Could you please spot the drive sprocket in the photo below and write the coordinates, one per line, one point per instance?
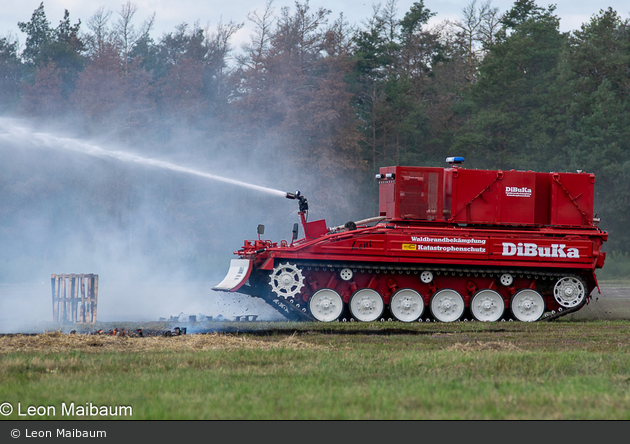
(286, 280)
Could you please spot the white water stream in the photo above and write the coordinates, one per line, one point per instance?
(13, 130)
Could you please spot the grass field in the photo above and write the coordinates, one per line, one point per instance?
(571, 369)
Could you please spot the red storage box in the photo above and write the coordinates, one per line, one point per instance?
(411, 193)
(487, 197)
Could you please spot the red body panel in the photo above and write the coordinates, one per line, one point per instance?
(571, 199)
(389, 243)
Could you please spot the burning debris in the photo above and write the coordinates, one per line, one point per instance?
(118, 332)
(137, 333)
(175, 332)
(192, 319)
(191, 325)
(248, 318)
(187, 318)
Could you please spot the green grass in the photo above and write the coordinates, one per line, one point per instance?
(560, 370)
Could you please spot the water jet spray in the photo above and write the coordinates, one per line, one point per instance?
(52, 141)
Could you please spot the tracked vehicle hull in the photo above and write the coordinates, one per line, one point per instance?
(449, 245)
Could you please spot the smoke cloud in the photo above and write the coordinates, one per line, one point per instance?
(159, 233)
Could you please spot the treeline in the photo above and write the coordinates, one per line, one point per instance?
(504, 89)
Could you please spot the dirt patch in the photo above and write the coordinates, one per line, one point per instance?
(60, 342)
(483, 346)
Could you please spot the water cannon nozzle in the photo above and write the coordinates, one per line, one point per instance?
(300, 197)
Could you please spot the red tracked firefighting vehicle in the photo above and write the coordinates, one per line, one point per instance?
(448, 244)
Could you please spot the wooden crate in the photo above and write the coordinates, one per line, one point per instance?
(74, 298)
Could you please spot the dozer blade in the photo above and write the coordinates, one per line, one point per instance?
(237, 275)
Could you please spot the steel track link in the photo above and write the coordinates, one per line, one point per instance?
(470, 271)
(282, 306)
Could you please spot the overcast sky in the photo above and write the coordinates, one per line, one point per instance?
(170, 13)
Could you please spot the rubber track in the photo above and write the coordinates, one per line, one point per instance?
(409, 269)
(285, 308)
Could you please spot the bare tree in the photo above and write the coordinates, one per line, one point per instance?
(490, 25)
(299, 36)
(218, 47)
(256, 50)
(389, 20)
(101, 33)
(126, 33)
(218, 41)
(338, 37)
(472, 29)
